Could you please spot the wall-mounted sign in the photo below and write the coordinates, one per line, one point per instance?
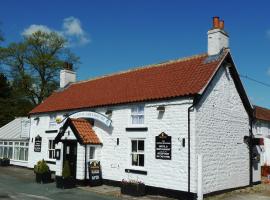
(95, 176)
(92, 115)
(163, 146)
(57, 154)
(37, 146)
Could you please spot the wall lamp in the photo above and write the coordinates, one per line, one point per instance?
(161, 108)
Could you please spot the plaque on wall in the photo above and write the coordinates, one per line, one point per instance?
(95, 176)
(163, 146)
(37, 146)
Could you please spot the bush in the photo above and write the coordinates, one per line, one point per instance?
(66, 170)
(41, 167)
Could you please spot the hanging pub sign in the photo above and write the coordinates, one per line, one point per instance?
(163, 146)
(95, 176)
(37, 146)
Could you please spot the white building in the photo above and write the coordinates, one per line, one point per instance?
(261, 129)
(14, 141)
(152, 123)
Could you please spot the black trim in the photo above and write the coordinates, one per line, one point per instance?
(224, 191)
(50, 162)
(132, 129)
(150, 190)
(257, 183)
(133, 171)
(51, 131)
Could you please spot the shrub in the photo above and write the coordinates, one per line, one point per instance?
(66, 170)
(41, 167)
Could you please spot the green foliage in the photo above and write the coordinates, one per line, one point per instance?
(12, 104)
(35, 63)
(66, 170)
(41, 167)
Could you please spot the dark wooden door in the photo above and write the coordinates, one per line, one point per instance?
(70, 152)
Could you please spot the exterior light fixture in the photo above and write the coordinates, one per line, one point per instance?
(161, 108)
(108, 112)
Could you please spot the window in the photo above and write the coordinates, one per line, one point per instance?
(51, 150)
(137, 115)
(137, 153)
(14, 150)
(21, 151)
(92, 153)
(52, 122)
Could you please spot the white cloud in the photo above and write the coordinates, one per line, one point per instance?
(71, 29)
(34, 28)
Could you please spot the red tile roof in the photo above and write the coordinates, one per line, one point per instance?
(262, 113)
(177, 78)
(85, 131)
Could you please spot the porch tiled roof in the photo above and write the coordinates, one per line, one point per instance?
(85, 132)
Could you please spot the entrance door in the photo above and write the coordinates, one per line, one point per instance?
(70, 155)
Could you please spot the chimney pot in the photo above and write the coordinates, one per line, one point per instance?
(216, 22)
(221, 24)
(68, 66)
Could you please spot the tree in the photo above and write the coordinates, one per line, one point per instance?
(35, 63)
(11, 104)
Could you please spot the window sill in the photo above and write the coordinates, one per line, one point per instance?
(136, 128)
(136, 171)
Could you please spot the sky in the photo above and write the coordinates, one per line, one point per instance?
(115, 35)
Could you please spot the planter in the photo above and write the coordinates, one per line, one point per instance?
(65, 183)
(4, 162)
(133, 189)
(44, 178)
(265, 170)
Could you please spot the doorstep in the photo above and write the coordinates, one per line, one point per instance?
(116, 192)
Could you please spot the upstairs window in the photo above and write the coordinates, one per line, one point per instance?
(137, 115)
(52, 122)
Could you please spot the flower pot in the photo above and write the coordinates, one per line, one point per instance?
(44, 177)
(59, 181)
(4, 162)
(65, 183)
(38, 178)
(133, 189)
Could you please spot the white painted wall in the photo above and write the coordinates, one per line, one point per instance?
(221, 124)
(115, 159)
(217, 40)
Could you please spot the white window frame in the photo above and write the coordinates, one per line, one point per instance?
(136, 113)
(137, 153)
(51, 149)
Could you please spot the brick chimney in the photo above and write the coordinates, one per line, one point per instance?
(217, 37)
(67, 75)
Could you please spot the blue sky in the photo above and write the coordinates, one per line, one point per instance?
(111, 36)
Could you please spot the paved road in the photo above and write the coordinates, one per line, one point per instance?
(19, 184)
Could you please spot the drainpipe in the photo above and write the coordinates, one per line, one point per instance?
(85, 164)
(189, 108)
(195, 101)
(251, 151)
